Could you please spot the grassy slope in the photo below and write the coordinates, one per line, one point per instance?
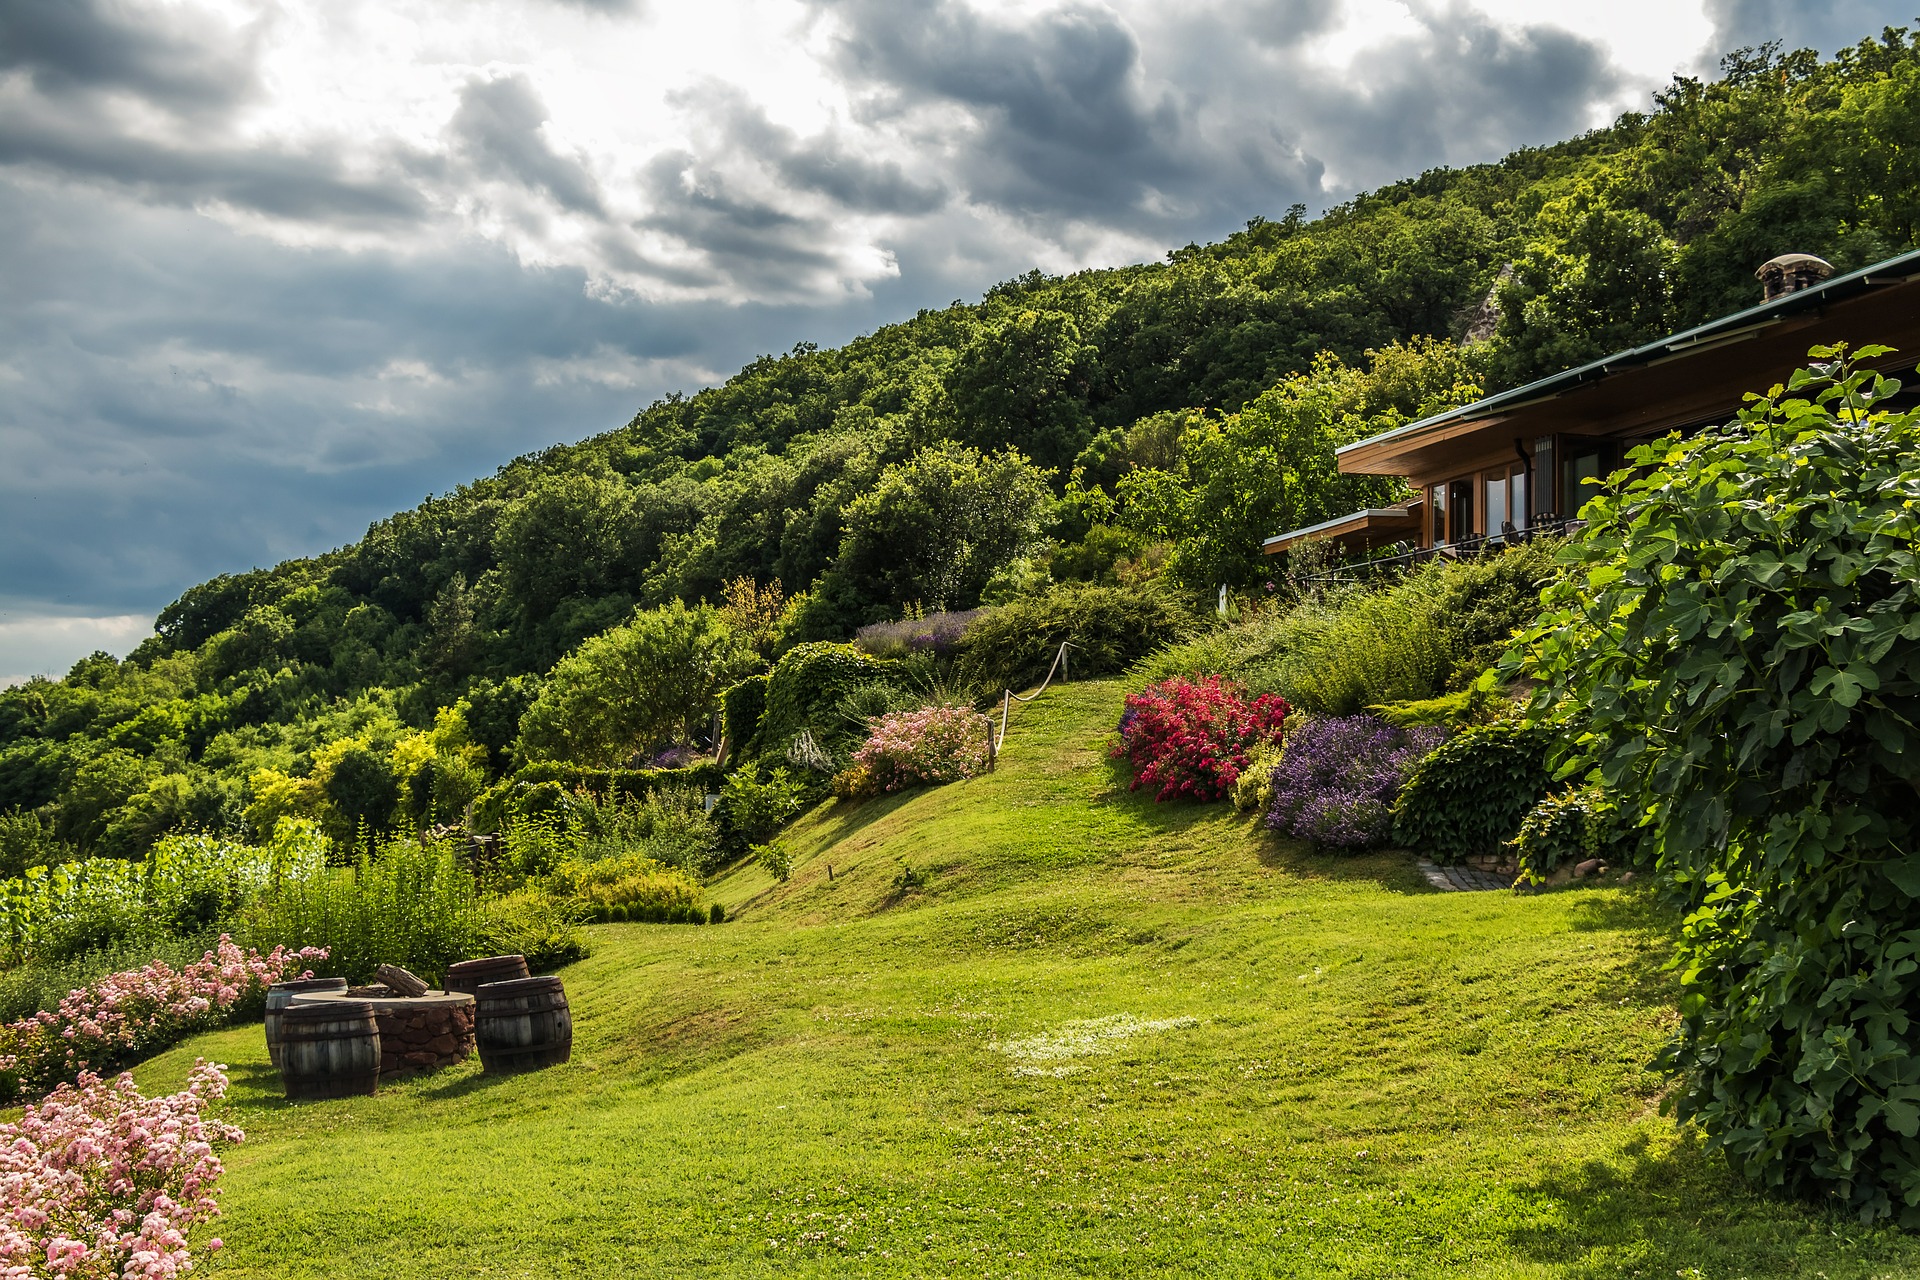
(1303, 1067)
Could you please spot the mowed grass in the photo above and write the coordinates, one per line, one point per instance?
(1105, 1037)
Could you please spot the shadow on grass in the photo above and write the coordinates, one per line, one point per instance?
(1669, 1212)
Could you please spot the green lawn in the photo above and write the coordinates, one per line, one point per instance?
(1104, 1038)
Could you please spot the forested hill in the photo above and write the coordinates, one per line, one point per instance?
(1157, 418)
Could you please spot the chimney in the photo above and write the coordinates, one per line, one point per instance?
(1790, 273)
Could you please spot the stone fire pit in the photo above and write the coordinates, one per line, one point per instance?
(417, 1033)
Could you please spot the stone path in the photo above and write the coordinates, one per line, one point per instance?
(1465, 879)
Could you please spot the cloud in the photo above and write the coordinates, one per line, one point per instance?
(47, 644)
(498, 128)
(1825, 25)
(185, 60)
(277, 268)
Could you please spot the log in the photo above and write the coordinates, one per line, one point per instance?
(402, 982)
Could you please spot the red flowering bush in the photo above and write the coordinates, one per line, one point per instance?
(1192, 740)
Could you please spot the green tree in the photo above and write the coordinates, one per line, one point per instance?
(1593, 281)
(1735, 651)
(363, 790)
(1024, 384)
(934, 528)
(639, 685)
(1271, 467)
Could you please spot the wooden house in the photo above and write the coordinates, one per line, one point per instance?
(1516, 460)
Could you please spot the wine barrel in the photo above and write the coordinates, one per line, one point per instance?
(329, 1048)
(282, 994)
(469, 975)
(522, 1025)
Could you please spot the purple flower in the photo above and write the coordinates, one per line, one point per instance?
(1338, 778)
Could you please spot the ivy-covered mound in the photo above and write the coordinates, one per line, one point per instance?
(1742, 628)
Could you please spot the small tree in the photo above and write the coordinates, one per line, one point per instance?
(1739, 630)
(627, 689)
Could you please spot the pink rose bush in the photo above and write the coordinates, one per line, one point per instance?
(139, 1010)
(933, 744)
(98, 1181)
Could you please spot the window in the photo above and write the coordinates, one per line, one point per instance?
(1460, 510)
(1495, 483)
(1541, 501)
(1437, 502)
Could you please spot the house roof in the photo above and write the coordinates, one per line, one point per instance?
(1396, 520)
(1897, 270)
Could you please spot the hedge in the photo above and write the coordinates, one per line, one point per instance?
(741, 708)
(806, 686)
(1470, 795)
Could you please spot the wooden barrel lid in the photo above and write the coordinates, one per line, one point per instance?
(326, 1011)
(483, 963)
(513, 987)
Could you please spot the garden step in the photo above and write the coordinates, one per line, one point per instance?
(1462, 879)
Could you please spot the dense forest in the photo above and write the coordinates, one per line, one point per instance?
(1144, 424)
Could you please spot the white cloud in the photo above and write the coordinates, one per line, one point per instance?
(48, 645)
(276, 268)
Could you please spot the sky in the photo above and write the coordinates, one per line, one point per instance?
(273, 269)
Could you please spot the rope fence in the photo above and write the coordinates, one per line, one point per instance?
(1008, 697)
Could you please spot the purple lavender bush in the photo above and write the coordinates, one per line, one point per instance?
(937, 633)
(1337, 780)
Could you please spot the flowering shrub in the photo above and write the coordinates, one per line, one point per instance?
(937, 633)
(933, 744)
(1335, 785)
(98, 1181)
(1194, 740)
(136, 1011)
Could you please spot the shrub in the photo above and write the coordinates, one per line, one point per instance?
(1111, 628)
(1338, 778)
(126, 1015)
(1253, 789)
(1192, 740)
(741, 708)
(716, 914)
(1366, 647)
(1738, 625)
(535, 924)
(414, 903)
(1563, 829)
(1484, 601)
(1469, 795)
(806, 686)
(931, 745)
(185, 884)
(775, 858)
(632, 887)
(97, 1180)
(939, 634)
(752, 811)
(855, 782)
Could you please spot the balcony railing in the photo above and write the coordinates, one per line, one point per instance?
(1390, 561)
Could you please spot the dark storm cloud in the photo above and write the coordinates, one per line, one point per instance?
(178, 400)
(1826, 25)
(179, 61)
(310, 184)
(88, 68)
(1228, 115)
(497, 126)
(1068, 123)
(826, 164)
